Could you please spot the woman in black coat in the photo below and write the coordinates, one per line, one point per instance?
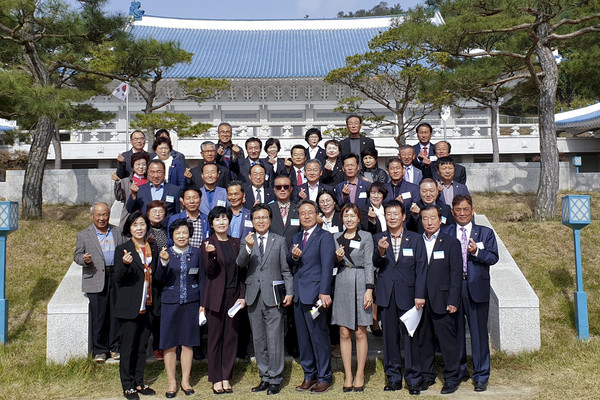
(137, 303)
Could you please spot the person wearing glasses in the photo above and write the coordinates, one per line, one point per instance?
(227, 152)
(138, 141)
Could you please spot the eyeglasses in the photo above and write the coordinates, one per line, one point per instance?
(282, 187)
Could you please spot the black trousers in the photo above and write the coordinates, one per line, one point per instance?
(104, 325)
(134, 341)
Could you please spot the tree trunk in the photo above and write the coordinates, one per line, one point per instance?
(546, 200)
(400, 137)
(34, 173)
(57, 148)
(494, 131)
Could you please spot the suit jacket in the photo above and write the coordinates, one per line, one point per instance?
(250, 191)
(361, 199)
(444, 274)
(203, 222)
(313, 271)
(417, 148)
(170, 196)
(221, 160)
(292, 222)
(414, 223)
(196, 179)
(262, 272)
(365, 142)
(296, 198)
(459, 188)
(335, 176)
(124, 169)
(321, 155)
(460, 173)
(417, 175)
(242, 168)
(129, 279)
(247, 226)
(409, 191)
(93, 274)
(406, 277)
(367, 225)
(176, 156)
(278, 167)
(175, 174)
(214, 262)
(170, 277)
(478, 266)
(219, 198)
(336, 223)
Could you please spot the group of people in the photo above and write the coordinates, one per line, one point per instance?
(306, 251)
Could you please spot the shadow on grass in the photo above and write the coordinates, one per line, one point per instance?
(42, 291)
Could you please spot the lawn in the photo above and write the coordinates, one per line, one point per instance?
(40, 252)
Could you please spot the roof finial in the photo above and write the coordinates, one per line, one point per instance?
(135, 10)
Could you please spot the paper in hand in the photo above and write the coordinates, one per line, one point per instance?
(411, 319)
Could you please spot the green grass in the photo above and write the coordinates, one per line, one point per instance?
(40, 252)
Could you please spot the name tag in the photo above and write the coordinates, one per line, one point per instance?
(294, 222)
(480, 245)
(407, 252)
(438, 255)
(406, 195)
(362, 195)
(355, 244)
(266, 177)
(193, 271)
(443, 220)
(169, 199)
(335, 271)
(221, 203)
(334, 229)
(248, 224)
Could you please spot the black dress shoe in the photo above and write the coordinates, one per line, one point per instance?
(414, 390)
(359, 388)
(274, 388)
(346, 389)
(171, 395)
(424, 385)
(465, 378)
(480, 386)
(392, 386)
(188, 392)
(261, 387)
(447, 389)
(131, 394)
(146, 391)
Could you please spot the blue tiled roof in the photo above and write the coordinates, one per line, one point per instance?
(278, 53)
(579, 119)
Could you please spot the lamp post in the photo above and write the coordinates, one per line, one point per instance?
(9, 221)
(576, 214)
(577, 163)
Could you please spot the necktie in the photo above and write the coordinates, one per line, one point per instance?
(299, 180)
(305, 238)
(407, 175)
(283, 211)
(463, 244)
(258, 196)
(260, 246)
(425, 151)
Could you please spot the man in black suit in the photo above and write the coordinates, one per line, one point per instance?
(447, 185)
(258, 191)
(242, 166)
(138, 141)
(442, 149)
(299, 156)
(227, 151)
(398, 188)
(442, 301)
(356, 143)
(313, 187)
(428, 190)
(194, 176)
(425, 150)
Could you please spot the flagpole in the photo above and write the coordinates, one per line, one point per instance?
(127, 118)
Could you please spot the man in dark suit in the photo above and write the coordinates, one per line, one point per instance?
(442, 301)
(412, 174)
(264, 254)
(212, 195)
(425, 150)
(154, 189)
(299, 156)
(138, 141)
(194, 176)
(428, 190)
(442, 149)
(401, 261)
(356, 143)
(353, 189)
(313, 187)
(311, 258)
(449, 187)
(480, 251)
(241, 223)
(258, 191)
(242, 166)
(398, 188)
(94, 251)
(227, 151)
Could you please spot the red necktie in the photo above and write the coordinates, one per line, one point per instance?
(299, 180)
(425, 151)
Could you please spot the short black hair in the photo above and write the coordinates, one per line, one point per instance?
(380, 186)
(350, 155)
(273, 141)
(353, 116)
(253, 139)
(297, 147)
(131, 218)
(187, 188)
(462, 197)
(392, 160)
(157, 161)
(313, 131)
(432, 207)
(425, 124)
(211, 163)
(160, 132)
(137, 131)
(217, 211)
(142, 155)
(445, 161)
(395, 203)
(236, 183)
(369, 151)
(333, 196)
(306, 201)
(259, 207)
(181, 222)
(257, 165)
(162, 140)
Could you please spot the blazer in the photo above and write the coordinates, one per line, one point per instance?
(444, 274)
(367, 225)
(203, 222)
(175, 174)
(321, 154)
(365, 142)
(176, 156)
(478, 266)
(459, 188)
(296, 198)
(379, 174)
(93, 274)
(214, 262)
(124, 169)
(361, 199)
(242, 168)
(405, 277)
(417, 149)
(262, 272)
(313, 271)
(250, 191)
(247, 226)
(196, 179)
(278, 167)
(417, 175)
(335, 176)
(129, 279)
(170, 196)
(292, 222)
(170, 277)
(219, 198)
(122, 193)
(414, 223)
(409, 191)
(363, 257)
(460, 173)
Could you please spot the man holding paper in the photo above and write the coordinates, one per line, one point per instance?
(401, 260)
(269, 276)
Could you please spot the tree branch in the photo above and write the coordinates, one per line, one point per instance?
(573, 21)
(572, 35)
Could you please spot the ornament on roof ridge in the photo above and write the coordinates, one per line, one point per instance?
(135, 10)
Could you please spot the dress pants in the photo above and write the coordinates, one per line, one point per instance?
(134, 341)
(104, 324)
(267, 335)
(222, 339)
(477, 316)
(392, 361)
(444, 327)
(314, 343)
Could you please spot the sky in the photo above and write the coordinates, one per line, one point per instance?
(248, 9)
